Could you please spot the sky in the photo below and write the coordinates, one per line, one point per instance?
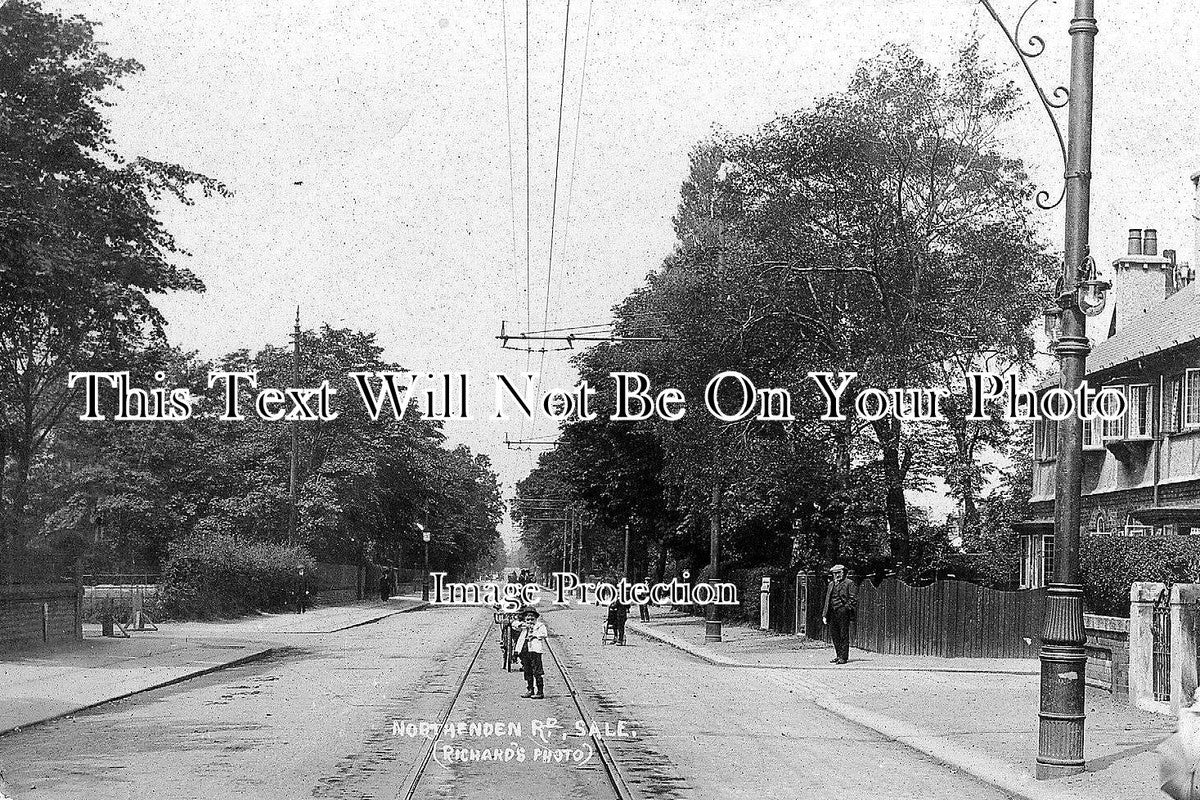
(377, 150)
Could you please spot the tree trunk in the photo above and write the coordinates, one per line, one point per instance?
(894, 469)
(18, 538)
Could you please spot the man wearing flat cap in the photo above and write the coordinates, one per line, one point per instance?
(841, 600)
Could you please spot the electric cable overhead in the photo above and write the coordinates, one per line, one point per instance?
(562, 93)
(512, 188)
(587, 40)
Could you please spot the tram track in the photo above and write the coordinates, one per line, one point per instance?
(613, 777)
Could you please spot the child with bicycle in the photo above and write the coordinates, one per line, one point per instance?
(531, 643)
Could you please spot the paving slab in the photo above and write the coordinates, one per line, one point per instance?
(979, 715)
(39, 685)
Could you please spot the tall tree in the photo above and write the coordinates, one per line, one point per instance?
(81, 247)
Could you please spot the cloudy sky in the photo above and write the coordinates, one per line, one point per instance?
(377, 148)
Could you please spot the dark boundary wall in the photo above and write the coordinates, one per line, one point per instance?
(35, 615)
(347, 583)
(1108, 653)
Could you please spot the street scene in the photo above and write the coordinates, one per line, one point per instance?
(522, 398)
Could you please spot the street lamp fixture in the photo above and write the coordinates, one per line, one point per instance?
(1061, 711)
(425, 537)
(1091, 293)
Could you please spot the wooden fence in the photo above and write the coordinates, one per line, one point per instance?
(953, 619)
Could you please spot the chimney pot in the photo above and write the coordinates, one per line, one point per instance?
(1135, 241)
(1150, 242)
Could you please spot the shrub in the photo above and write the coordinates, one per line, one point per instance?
(1108, 564)
(216, 575)
(749, 583)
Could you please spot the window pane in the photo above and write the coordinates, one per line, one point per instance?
(1113, 428)
(1047, 559)
(1174, 421)
(1192, 409)
(1139, 411)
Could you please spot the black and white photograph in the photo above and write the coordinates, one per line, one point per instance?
(659, 400)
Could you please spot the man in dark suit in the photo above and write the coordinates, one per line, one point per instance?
(841, 599)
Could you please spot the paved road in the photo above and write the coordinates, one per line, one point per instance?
(318, 720)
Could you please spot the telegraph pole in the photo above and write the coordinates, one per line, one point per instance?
(625, 568)
(712, 625)
(1063, 659)
(292, 488)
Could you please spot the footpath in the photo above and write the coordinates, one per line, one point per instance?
(976, 715)
(38, 685)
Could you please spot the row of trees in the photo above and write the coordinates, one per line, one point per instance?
(82, 253)
(883, 231)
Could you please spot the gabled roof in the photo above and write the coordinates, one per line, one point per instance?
(1171, 323)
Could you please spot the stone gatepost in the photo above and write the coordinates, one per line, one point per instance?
(1184, 600)
(1142, 597)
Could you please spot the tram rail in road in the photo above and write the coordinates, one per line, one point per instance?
(612, 771)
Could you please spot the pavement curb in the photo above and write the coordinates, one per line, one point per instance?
(373, 620)
(237, 662)
(992, 771)
(679, 644)
(996, 773)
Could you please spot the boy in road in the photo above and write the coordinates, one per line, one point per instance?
(530, 646)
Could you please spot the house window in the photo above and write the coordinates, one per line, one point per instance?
(1047, 559)
(1174, 418)
(1140, 412)
(1138, 530)
(1191, 399)
(1045, 440)
(1026, 561)
(1115, 428)
(1092, 434)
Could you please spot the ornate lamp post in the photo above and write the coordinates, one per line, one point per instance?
(1063, 660)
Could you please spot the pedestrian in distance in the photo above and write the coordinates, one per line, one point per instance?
(841, 601)
(644, 608)
(531, 643)
(618, 612)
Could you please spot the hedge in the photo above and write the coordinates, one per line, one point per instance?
(217, 575)
(1108, 564)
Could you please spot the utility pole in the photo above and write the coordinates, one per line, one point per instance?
(426, 535)
(565, 562)
(712, 625)
(292, 488)
(1063, 659)
(625, 569)
(570, 540)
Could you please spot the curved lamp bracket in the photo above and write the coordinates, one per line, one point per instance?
(1058, 98)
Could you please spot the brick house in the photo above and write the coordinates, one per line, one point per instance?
(1141, 473)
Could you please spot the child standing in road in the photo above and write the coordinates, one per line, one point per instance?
(530, 646)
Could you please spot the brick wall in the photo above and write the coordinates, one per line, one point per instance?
(1108, 653)
(38, 614)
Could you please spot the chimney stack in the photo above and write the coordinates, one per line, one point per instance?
(1150, 242)
(1196, 218)
(1142, 279)
(1135, 241)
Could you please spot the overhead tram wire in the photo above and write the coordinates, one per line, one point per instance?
(528, 215)
(562, 93)
(512, 188)
(587, 40)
